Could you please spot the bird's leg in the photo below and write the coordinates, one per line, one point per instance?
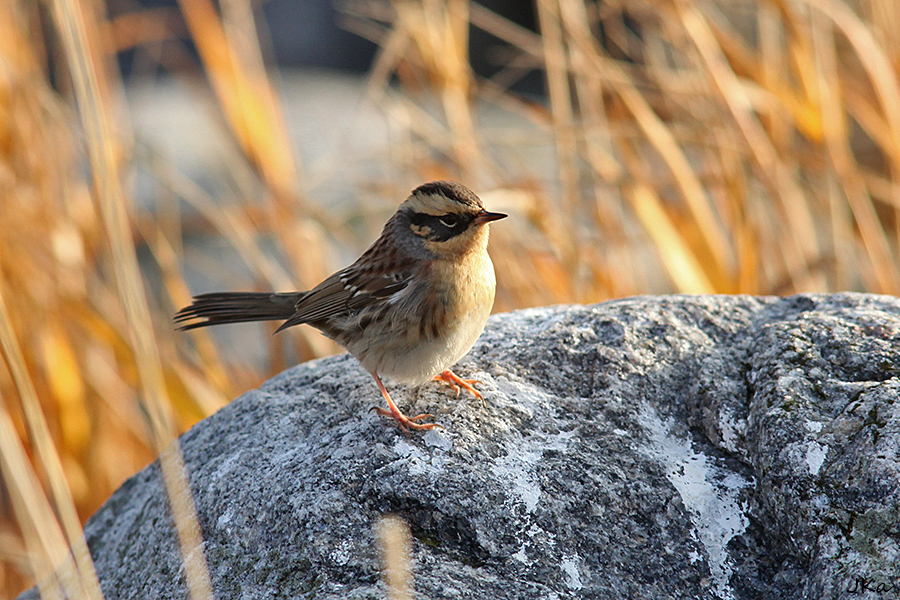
(456, 382)
(398, 416)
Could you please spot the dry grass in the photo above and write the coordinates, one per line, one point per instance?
(394, 541)
(711, 147)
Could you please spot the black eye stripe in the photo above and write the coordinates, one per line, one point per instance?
(441, 227)
(419, 219)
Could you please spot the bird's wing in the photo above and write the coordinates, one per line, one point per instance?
(362, 284)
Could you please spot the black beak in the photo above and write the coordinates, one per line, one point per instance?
(486, 217)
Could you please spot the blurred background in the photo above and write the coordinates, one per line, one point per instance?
(154, 149)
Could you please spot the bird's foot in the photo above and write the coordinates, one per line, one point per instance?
(402, 420)
(407, 422)
(456, 382)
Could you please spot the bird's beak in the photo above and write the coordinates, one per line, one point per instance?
(486, 217)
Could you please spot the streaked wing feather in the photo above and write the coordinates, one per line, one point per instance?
(347, 291)
(369, 288)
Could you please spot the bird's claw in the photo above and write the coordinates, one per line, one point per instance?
(456, 382)
(403, 421)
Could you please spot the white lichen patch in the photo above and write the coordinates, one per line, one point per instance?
(815, 457)
(342, 554)
(527, 398)
(224, 521)
(517, 467)
(522, 556)
(518, 470)
(814, 426)
(731, 429)
(438, 440)
(709, 493)
(571, 566)
(418, 462)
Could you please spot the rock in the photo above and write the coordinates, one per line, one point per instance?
(667, 447)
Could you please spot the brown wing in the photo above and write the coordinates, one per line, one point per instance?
(364, 283)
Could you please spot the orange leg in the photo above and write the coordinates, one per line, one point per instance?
(457, 382)
(398, 416)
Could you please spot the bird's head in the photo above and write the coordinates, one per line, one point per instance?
(447, 217)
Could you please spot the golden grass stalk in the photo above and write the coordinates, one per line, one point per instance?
(243, 90)
(394, 540)
(47, 544)
(777, 174)
(557, 69)
(83, 57)
(844, 163)
(47, 547)
(685, 270)
(878, 67)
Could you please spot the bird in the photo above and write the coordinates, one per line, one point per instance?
(409, 308)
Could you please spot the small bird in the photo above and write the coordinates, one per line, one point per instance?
(410, 307)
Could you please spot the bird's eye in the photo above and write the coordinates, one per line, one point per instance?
(450, 220)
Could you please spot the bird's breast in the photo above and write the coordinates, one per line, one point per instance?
(443, 323)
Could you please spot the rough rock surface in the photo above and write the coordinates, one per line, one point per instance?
(667, 447)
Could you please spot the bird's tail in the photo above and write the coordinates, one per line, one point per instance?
(236, 307)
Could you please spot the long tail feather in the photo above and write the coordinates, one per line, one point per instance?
(218, 308)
